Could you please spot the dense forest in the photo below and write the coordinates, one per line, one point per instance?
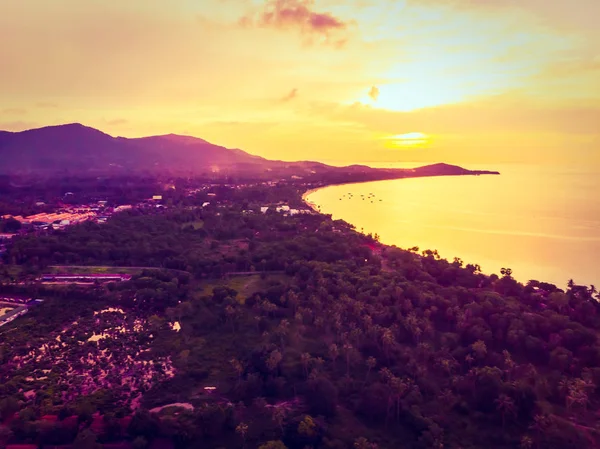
(273, 331)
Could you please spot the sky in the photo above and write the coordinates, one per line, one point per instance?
(340, 81)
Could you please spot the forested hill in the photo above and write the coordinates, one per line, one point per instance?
(77, 149)
(333, 341)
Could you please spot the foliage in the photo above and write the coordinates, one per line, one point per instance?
(333, 341)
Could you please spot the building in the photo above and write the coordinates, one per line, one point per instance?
(85, 277)
(14, 299)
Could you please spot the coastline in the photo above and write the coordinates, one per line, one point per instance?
(524, 267)
(310, 204)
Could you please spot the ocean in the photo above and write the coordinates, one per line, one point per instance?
(542, 222)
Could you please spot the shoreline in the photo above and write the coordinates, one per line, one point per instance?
(487, 270)
(310, 204)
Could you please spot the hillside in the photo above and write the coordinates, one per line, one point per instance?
(77, 149)
(272, 331)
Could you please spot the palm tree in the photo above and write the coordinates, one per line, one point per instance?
(571, 283)
(563, 387)
(348, 350)
(333, 352)
(273, 360)
(371, 363)
(479, 348)
(505, 405)
(387, 338)
(305, 359)
(238, 368)
(540, 423)
(363, 443)
(242, 429)
(526, 442)
(447, 399)
(469, 359)
(279, 417)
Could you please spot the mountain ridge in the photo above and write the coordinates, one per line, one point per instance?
(80, 149)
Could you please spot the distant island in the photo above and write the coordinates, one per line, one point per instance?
(78, 150)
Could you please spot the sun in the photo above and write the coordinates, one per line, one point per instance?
(412, 139)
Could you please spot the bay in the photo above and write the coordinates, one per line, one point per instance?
(543, 222)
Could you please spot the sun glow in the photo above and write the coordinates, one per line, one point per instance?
(412, 139)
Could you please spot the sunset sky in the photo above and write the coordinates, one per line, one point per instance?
(341, 81)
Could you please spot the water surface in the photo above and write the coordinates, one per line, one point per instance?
(542, 222)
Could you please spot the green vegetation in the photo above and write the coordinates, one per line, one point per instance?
(327, 340)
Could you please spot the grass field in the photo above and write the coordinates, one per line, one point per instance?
(195, 224)
(244, 285)
(92, 270)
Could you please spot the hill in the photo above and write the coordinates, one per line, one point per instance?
(273, 331)
(78, 149)
(75, 147)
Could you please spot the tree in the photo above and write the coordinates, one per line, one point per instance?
(5, 435)
(140, 443)
(10, 225)
(238, 368)
(363, 443)
(274, 360)
(539, 426)
(322, 397)
(333, 352)
(526, 442)
(348, 351)
(278, 417)
(305, 359)
(480, 349)
(505, 405)
(307, 427)
(371, 363)
(87, 439)
(273, 444)
(387, 339)
(242, 430)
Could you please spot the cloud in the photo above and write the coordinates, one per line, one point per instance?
(291, 95)
(298, 14)
(374, 93)
(14, 111)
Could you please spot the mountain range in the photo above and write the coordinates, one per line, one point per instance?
(78, 149)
